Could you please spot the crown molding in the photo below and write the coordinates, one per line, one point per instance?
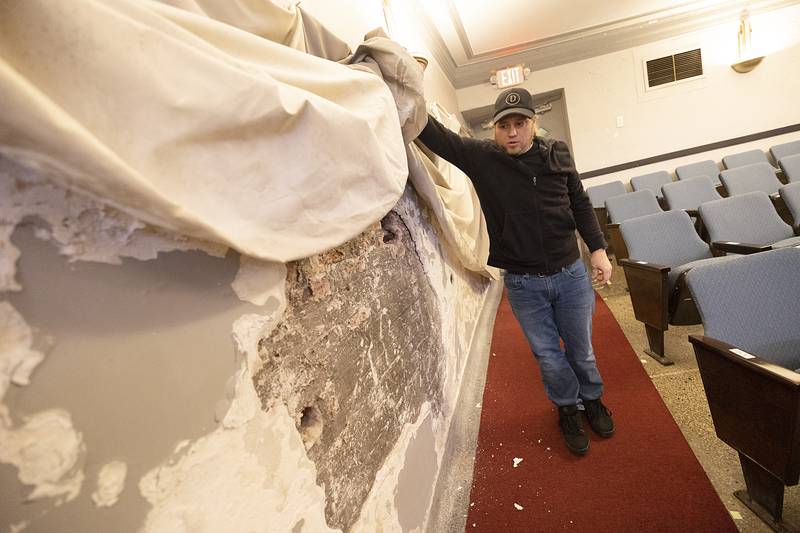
(582, 44)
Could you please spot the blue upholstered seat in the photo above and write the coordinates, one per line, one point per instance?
(689, 193)
(652, 182)
(753, 303)
(599, 193)
(749, 178)
(779, 151)
(706, 168)
(747, 218)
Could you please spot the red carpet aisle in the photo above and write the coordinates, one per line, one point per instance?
(644, 478)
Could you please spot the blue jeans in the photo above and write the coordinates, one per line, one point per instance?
(550, 308)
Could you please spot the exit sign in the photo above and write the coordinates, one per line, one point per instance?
(510, 76)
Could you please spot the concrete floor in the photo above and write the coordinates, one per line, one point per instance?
(681, 388)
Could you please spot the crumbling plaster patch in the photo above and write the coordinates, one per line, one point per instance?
(373, 329)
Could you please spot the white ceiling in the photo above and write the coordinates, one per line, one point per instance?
(471, 38)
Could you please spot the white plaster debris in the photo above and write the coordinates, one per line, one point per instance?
(736, 515)
(254, 457)
(45, 450)
(17, 358)
(255, 477)
(257, 280)
(517, 461)
(110, 483)
(518, 507)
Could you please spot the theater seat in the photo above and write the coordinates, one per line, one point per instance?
(706, 168)
(790, 165)
(663, 247)
(779, 151)
(598, 195)
(756, 177)
(621, 208)
(745, 223)
(653, 182)
(747, 357)
(748, 157)
(791, 197)
(688, 194)
(748, 178)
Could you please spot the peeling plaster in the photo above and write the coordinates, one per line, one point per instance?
(110, 483)
(84, 229)
(255, 477)
(17, 357)
(46, 450)
(257, 280)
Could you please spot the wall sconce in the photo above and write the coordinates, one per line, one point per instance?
(746, 60)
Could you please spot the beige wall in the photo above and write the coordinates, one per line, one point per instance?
(720, 106)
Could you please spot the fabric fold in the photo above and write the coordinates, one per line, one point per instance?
(198, 126)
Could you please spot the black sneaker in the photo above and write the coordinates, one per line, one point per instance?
(599, 417)
(570, 422)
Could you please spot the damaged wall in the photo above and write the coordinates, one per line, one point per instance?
(192, 391)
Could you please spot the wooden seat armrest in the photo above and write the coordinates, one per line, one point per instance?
(748, 360)
(744, 248)
(692, 212)
(644, 265)
(755, 406)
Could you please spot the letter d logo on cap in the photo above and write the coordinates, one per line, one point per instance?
(512, 98)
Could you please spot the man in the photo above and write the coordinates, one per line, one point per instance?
(533, 201)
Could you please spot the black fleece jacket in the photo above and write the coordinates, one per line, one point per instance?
(532, 202)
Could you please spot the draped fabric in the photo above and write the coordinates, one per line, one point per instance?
(245, 123)
(449, 193)
(195, 125)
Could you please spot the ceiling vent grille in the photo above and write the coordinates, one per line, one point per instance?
(672, 69)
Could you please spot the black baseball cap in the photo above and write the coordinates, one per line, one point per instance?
(511, 101)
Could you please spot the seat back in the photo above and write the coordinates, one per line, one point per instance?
(652, 181)
(741, 159)
(667, 238)
(599, 193)
(706, 168)
(631, 205)
(790, 165)
(747, 218)
(753, 303)
(779, 151)
(749, 178)
(791, 197)
(689, 193)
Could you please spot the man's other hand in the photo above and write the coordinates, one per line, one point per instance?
(601, 266)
